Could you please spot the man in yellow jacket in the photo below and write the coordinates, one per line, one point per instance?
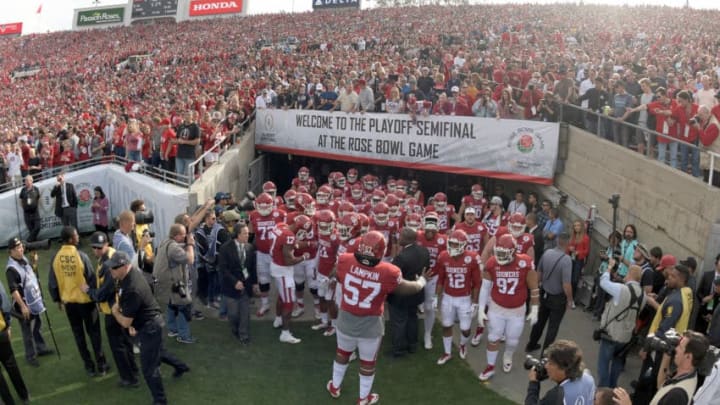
(72, 269)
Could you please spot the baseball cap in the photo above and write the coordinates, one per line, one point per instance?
(496, 200)
(13, 243)
(690, 262)
(221, 196)
(319, 86)
(118, 259)
(98, 239)
(230, 215)
(470, 210)
(643, 251)
(455, 89)
(666, 261)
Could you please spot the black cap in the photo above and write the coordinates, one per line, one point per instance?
(690, 262)
(13, 243)
(118, 259)
(98, 239)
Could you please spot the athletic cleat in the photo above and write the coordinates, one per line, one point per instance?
(444, 359)
(477, 337)
(507, 365)
(298, 311)
(428, 341)
(318, 326)
(487, 373)
(369, 400)
(277, 322)
(262, 311)
(287, 337)
(334, 392)
(330, 331)
(463, 351)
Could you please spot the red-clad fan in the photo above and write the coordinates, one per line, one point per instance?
(435, 243)
(263, 221)
(366, 281)
(364, 223)
(357, 197)
(324, 199)
(382, 223)
(445, 212)
(507, 277)
(516, 227)
(304, 179)
(475, 231)
(305, 271)
(270, 188)
(349, 231)
(285, 243)
(289, 201)
(459, 284)
(475, 199)
(328, 244)
(495, 217)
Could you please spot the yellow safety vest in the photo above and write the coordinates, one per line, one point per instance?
(104, 306)
(684, 321)
(68, 268)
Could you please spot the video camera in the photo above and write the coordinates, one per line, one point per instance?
(538, 365)
(665, 344)
(37, 245)
(144, 217)
(247, 203)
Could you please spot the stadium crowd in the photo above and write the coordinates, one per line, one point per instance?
(516, 61)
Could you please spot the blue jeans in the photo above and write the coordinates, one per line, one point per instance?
(134, 155)
(609, 366)
(182, 166)
(694, 155)
(663, 147)
(119, 151)
(178, 320)
(213, 285)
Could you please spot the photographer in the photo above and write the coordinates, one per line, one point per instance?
(143, 219)
(618, 322)
(174, 257)
(123, 237)
(548, 108)
(564, 366)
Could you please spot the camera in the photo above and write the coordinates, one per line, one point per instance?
(179, 288)
(694, 120)
(144, 217)
(614, 200)
(538, 365)
(149, 233)
(247, 203)
(600, 334)
(666, 343)
(37, 245)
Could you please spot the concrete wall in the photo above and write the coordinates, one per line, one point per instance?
(670, 209)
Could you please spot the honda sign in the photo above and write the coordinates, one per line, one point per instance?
(214, 7)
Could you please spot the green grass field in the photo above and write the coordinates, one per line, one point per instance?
(265, 372)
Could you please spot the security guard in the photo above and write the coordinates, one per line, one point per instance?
(71, 269)
(137, 310)
(103, 292)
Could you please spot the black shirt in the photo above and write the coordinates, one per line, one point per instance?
(29, 199)
(187, 132)
(136, 299)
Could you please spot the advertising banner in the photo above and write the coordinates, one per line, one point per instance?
(505, 149)
(154, 8)
(325, 4)
(11, 29)
(214, 7)
(115, 15)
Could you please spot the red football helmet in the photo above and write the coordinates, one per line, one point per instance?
(477, 191)
(401, 195)
(391, 185)
(323, 194)
(505, 249)
(264, 204)
(339, 180)
(304, 174)
(337, 194)
(289, 198)
(440, 201)
(352, 175)
(401, 185)
(431, 222)
(331, 178)
(516, 224)
(346, 207)
(364, 223)
(371, 248)
(270, 188)
(325, 222)
(377, 196)
(356, 191)
(369, 182)
(381, 213)
(413, 220)
(456, 242)
(349, 226)
(302, 189)
(393, 204)
(303, 227)
(305, 203)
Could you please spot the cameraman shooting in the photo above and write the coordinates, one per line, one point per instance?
(564, 366)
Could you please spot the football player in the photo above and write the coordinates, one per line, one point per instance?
(328, 244)
(459, 284)
(289, 197)
(324, 199)
(304, 272)
(382, 223)
(507, 278)
(435, 243)
(516, 228)
(475, 230)
(263, 221)
(446, 212)
(475, 199)
(304, 179)
(357, 197)
(366, 281)
(270, 188)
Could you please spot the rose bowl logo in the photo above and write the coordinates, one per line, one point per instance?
(525, 143)
(525, 140)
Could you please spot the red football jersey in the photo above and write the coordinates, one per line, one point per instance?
(510, 281)
(524, 242)
(263, 226)
(283, 237)
(476, 234)
(459, 275)
(359, 205)
(389, 231)
(444, 217)
(434, 246)
(327, 253)
(365, 288)
(348, 246)
(479, 205)
(493, 222)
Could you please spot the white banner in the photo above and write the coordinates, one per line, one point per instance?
(505, 149)
(121, 188)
